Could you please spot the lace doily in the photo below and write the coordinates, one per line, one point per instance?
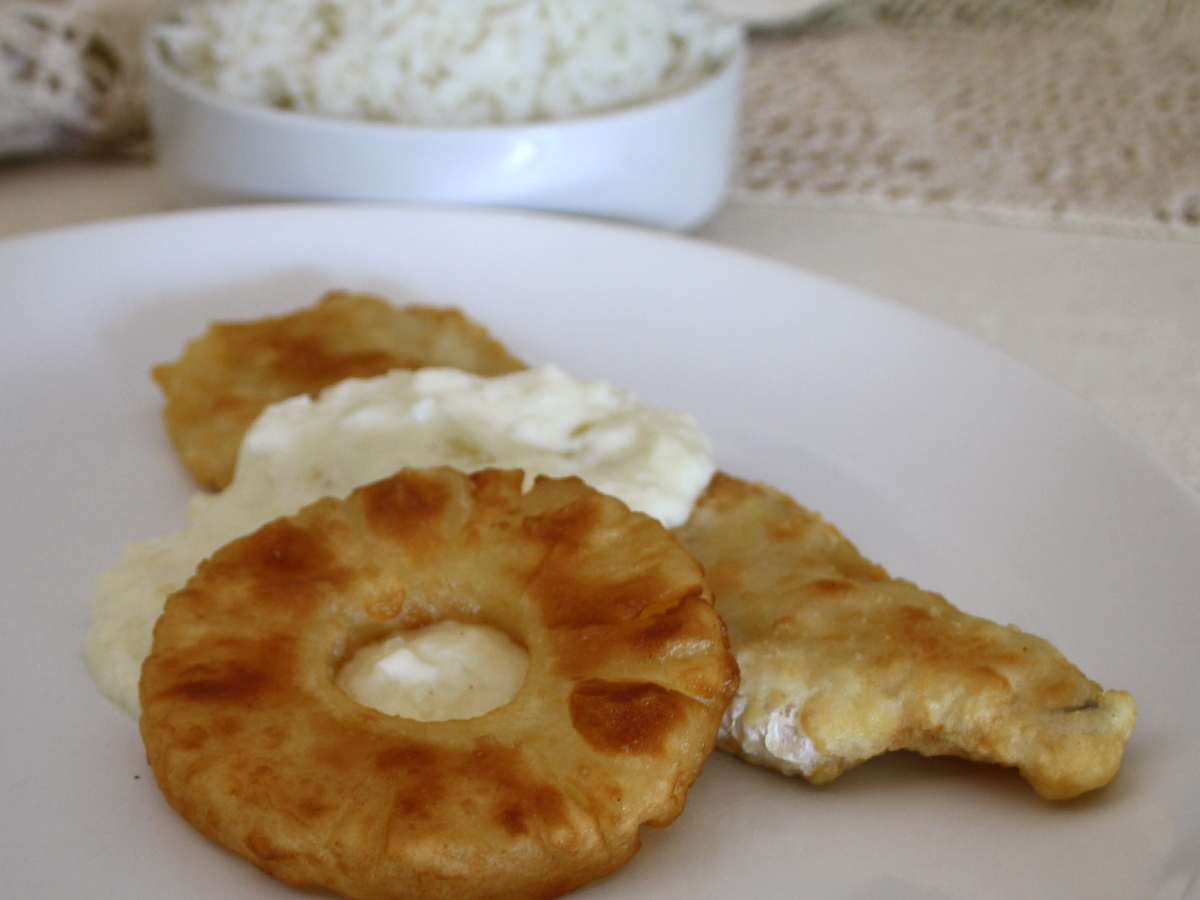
(69, 75)
(1032, 111)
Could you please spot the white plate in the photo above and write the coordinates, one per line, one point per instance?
(944, 460)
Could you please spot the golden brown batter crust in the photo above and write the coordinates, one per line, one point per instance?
(839, 662)
(252, 742)
(225, 378)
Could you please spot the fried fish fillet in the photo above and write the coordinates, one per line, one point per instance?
(225, 378)
(840, 662)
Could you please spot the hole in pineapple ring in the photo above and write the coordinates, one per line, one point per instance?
(447, 670)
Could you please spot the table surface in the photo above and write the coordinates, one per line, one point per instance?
(1116, 320)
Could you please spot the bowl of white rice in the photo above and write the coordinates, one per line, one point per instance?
(624, 109)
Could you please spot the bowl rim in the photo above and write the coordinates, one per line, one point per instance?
(157, 67)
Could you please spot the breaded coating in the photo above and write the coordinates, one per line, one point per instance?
(225, 378)
(840, 662)
(251, 740)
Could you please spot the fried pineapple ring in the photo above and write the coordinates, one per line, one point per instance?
(840, 663)
(629, 673)
(225, 378)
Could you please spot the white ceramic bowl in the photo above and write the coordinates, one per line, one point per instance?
(665, 163)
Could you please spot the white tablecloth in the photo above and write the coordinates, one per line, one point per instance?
(1115, 320)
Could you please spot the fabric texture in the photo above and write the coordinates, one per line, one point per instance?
(70, 78)
(1049, 112)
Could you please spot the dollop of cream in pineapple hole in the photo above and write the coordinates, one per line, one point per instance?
(447, 670)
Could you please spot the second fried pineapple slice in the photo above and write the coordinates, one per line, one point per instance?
(225, 378)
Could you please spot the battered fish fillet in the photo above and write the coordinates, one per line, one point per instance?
(228, 376)
(840, 662)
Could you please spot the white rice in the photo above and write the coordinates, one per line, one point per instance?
(446, 62)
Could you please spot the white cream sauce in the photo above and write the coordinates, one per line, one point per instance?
(448, 670)
(541, 420)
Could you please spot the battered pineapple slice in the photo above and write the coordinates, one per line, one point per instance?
(230, 374)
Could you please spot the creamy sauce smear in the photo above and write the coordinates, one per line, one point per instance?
(542, 421)
(448, 670)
